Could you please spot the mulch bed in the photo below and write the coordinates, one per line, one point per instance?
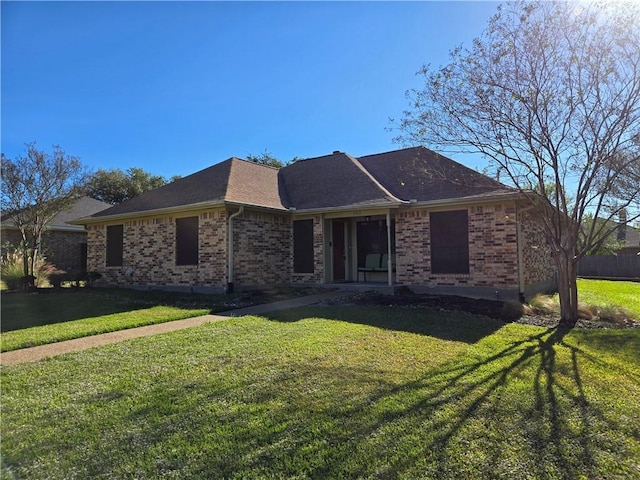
(504, 311)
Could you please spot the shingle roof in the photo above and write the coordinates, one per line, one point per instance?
(331, 181)
(83, 207)
(335, 180)
(254, 184)
(233, 180)
(420, 174)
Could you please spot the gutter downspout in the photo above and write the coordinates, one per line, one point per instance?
(230, 250)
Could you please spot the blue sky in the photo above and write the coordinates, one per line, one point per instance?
(174, 87)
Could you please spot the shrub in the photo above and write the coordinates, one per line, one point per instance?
(75, 278)
(544, 304)
(12, 271)
(549, 305)
(613, 314)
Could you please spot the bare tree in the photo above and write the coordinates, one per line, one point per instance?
(550, 94)
(35, 188)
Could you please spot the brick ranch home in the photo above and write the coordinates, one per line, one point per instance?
(409, 217)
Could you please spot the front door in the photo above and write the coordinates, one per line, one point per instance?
(339, 256)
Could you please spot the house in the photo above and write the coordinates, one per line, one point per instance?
(628, 236)
(409, 217)
(63, 244)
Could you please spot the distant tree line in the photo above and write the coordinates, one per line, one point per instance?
(116, 185)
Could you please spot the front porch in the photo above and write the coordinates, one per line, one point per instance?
(360, 249)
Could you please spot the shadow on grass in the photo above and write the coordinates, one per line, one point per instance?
(446, 325)
(49, 306)
(459, 420)
(516, 409)
(25, 310)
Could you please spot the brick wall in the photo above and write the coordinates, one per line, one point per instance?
(263, 246)
(61, 248)
(537, 262)
(149, 252)
(493, 254)
(262, 251)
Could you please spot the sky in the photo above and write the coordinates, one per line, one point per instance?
(175, 87)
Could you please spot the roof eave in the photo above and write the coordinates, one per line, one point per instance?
(471, 200)
(147, 213)
(171, 210)
(377, 206)
(257, 207)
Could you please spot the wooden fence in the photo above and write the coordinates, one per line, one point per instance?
(610, 266)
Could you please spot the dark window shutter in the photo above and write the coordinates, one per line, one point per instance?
(303, 246)
(449, 232)
(187, 241)
(115, 247)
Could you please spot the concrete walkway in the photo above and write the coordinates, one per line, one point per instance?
(34, 354)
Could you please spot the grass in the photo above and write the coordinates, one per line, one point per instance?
(606, 293)
(333, 392)
(58, 332)
(30, 319)
(36, 319)
(613, 301)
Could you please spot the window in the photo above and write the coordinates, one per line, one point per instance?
(372, 238)
(303, 246)
(449, 242)
(115, 240)
(187, 241)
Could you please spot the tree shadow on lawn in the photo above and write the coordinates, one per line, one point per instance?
(445, 325)
(518, 412)
(25, 310)
(50, 306)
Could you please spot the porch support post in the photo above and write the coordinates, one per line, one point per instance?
(389, 262)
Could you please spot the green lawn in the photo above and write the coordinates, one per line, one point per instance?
(608, 293)
(333, 392)
(85, 327)
(38, 319)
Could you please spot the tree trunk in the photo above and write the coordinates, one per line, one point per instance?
(25, 262)
(567, 290)
(25, 253)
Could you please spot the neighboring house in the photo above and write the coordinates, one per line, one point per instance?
(63, 244)
(629, 237)
(625, 236)
(425, 221)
